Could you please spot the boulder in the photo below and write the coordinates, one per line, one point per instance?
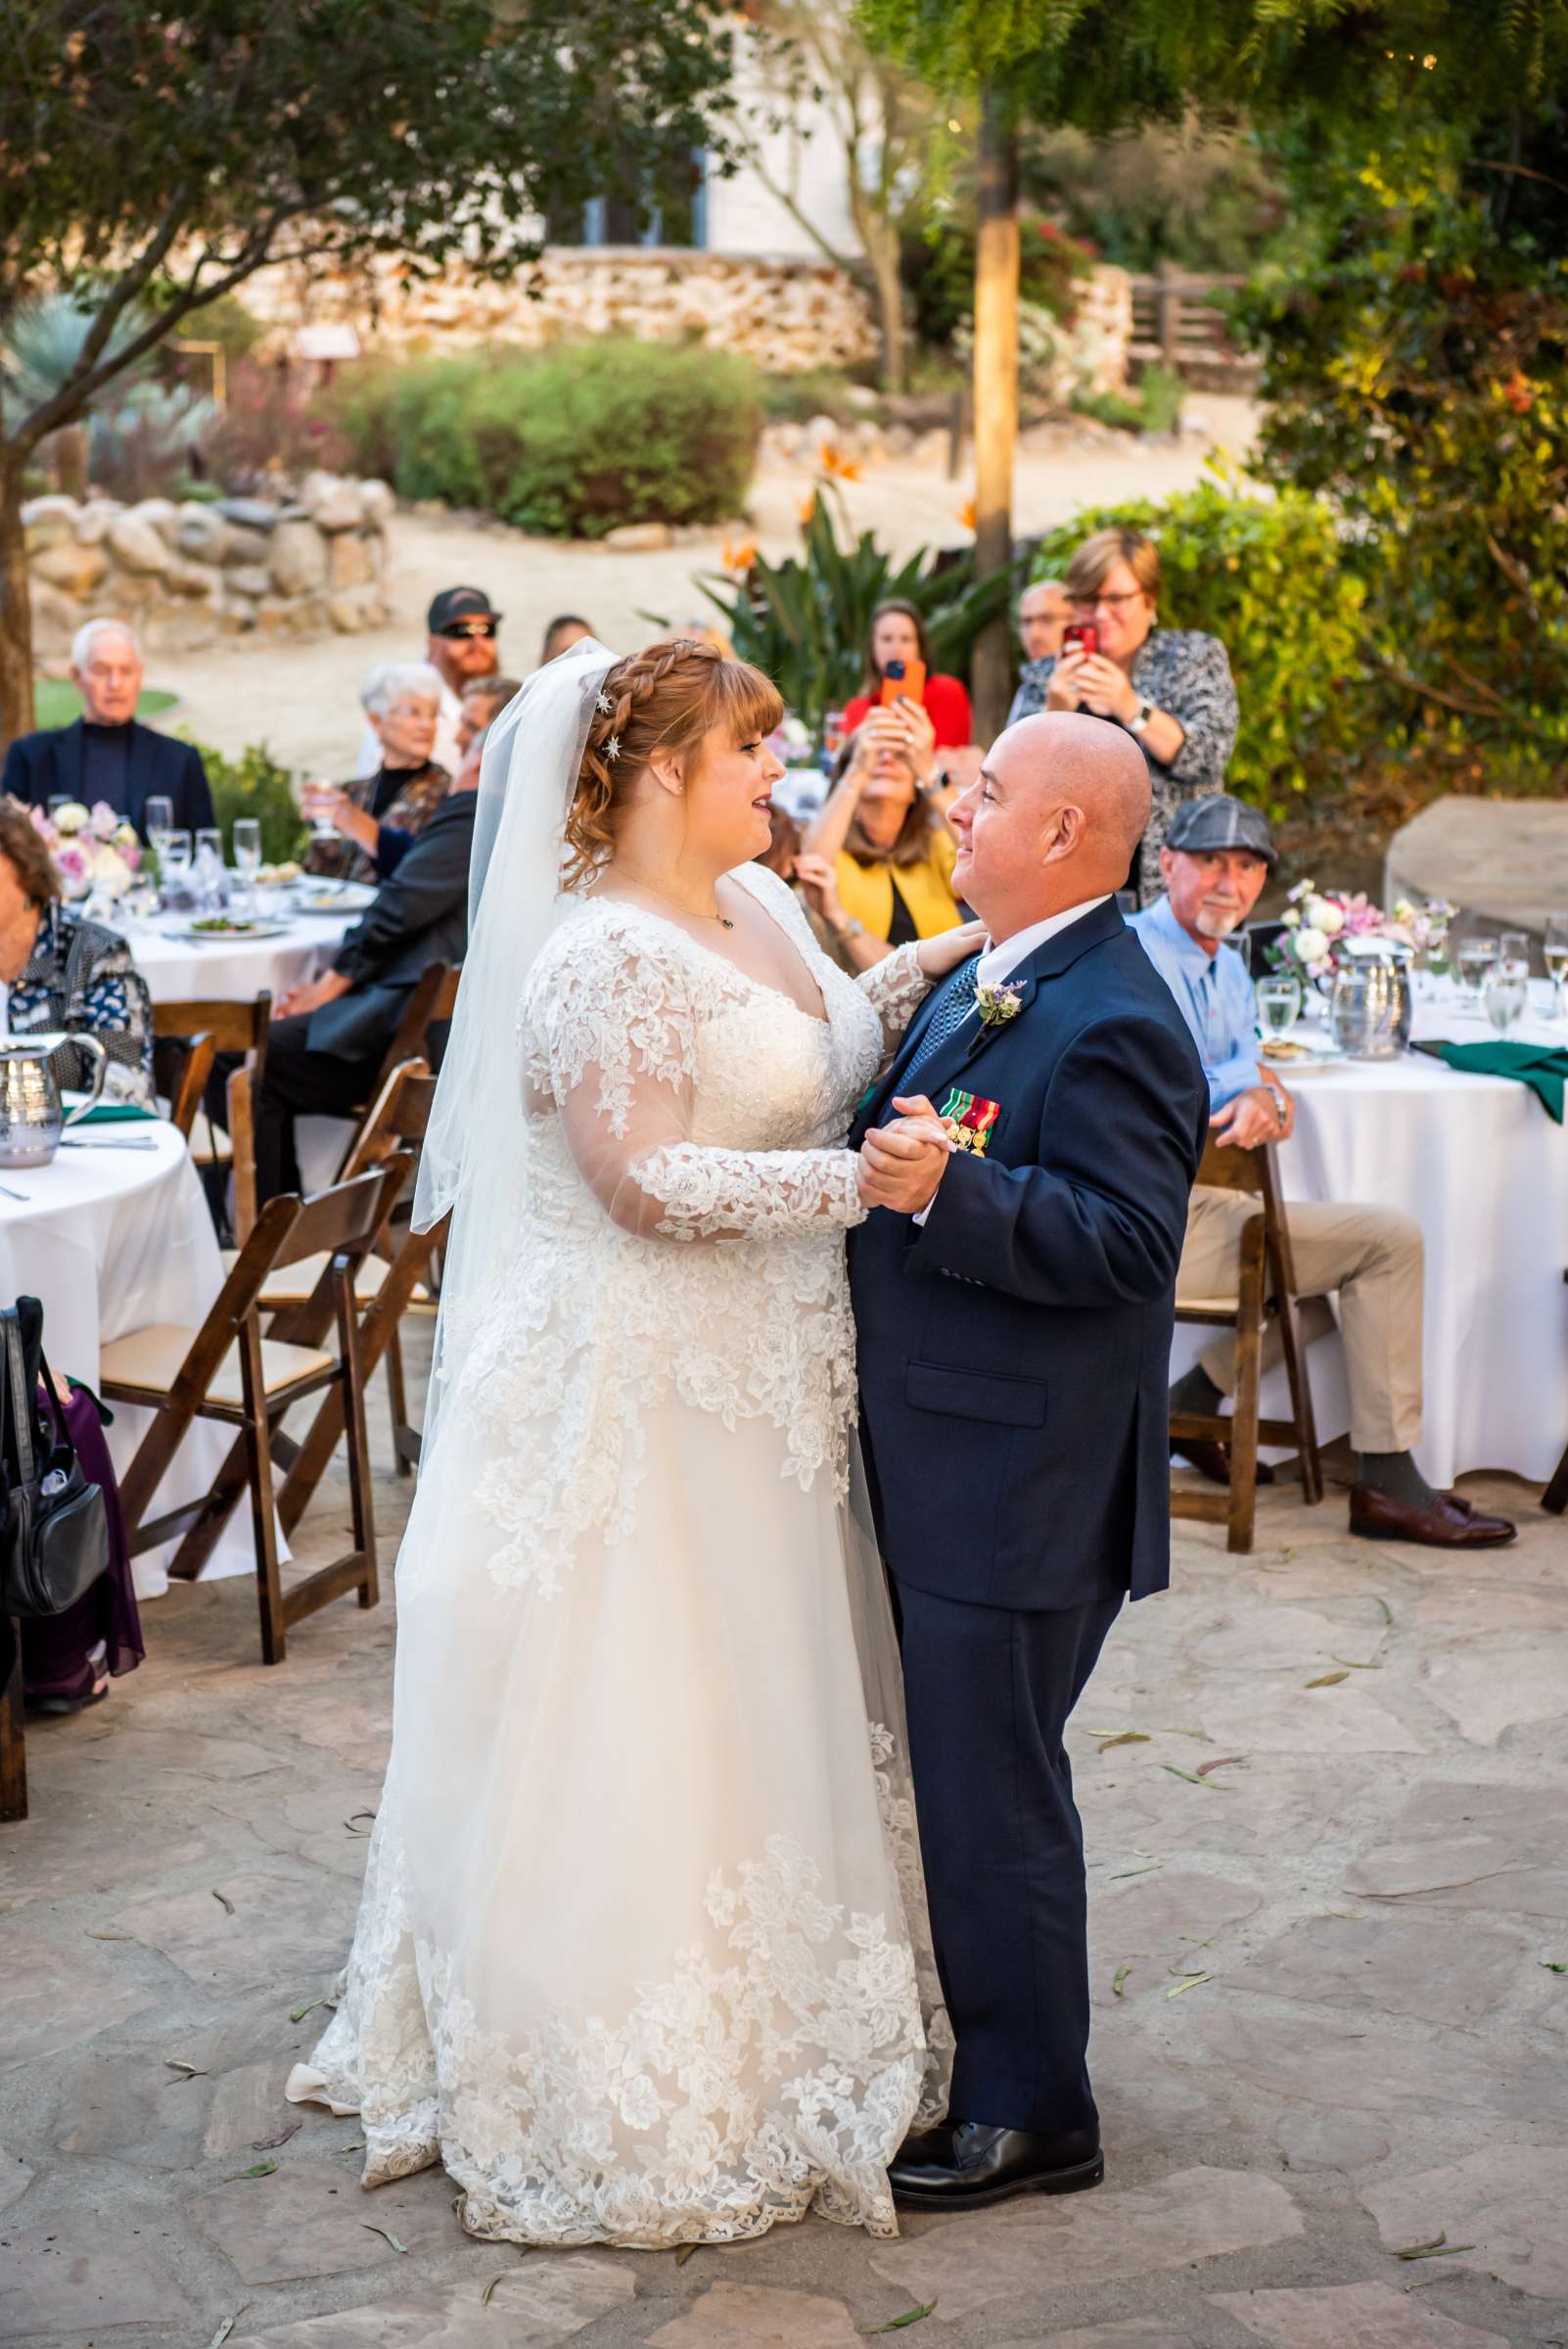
(378, 503)
(350, 564)
(75, 570)
(92, 527)
(250, 513)
(334, 503)
(201, 532)
(55, 622)
(49, 522)
(299, 558)
(193, 580)
(160, 514)
(183, 628)
(248, 579)
(242, 546)
(639, 538)
(136, 546)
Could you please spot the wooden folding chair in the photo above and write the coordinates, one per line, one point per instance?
(1555, 1497)
(194, 1066)
(234, 1028)
(228, 1372)
(1266, 1287)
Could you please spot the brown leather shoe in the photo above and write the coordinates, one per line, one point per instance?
(1451, 1524)
(1212, 1460)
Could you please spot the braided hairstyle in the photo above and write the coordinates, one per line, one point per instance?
(665, 697)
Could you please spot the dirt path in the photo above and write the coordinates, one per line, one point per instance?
(301, 699)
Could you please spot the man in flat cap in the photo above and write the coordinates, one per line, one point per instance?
(1217, 857)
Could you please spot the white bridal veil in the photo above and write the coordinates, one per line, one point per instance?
(474, 1152)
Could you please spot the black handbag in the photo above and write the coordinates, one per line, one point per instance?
(54, 1526)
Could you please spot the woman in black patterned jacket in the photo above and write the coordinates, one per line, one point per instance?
(66, 973)
(1170, 687)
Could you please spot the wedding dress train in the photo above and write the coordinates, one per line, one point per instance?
(643, 1956)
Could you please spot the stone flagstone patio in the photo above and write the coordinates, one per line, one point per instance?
(1326, 1794)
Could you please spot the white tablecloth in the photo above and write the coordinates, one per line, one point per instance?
(110, 1240)
(181, 970)
(1484, 1170)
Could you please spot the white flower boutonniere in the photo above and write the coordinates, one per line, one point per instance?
(996, 1005)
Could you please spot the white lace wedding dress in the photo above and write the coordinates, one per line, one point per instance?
(643, 1956)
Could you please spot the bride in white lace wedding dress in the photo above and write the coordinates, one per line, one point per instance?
(643, 1956)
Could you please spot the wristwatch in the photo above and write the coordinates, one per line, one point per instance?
(1140, 723)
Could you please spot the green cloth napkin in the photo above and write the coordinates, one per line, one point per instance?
(117, 1112)
(1543, 1067)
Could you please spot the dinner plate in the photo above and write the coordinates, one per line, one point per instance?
(351, 897)
(233, 934)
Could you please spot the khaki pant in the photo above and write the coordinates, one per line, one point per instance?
(1374, 1256)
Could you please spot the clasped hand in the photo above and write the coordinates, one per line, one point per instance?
(902, 1165)
(1087, 680)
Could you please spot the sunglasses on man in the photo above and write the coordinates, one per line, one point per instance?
(462, 628)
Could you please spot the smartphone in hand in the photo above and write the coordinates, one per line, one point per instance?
(903, 681)
(1080, 636)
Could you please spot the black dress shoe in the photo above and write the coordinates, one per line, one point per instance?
(1212, 1460)
(967, 2165)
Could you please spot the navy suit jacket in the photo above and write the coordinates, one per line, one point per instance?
(419, 916)
(47, 765)
(1014, 1351)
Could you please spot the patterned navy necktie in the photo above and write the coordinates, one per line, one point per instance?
(953, 1007)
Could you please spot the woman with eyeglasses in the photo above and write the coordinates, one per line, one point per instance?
(1171, 688)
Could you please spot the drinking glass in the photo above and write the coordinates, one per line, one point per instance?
(174, 860)
(158, 816)
(313, 798)
(1475, 958)
(1514, 947)
(248, 855)
(1555, 951)
(1365, 1009)
(1278, 1004)
(1504, 992)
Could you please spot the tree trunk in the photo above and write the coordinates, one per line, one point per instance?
(16, 604)
(882, 256)
(996, 393)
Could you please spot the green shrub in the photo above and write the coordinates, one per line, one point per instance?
(253, 784)
(1271, 578)
(938, 266)
(567, 442)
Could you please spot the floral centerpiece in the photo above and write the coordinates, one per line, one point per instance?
(96, 852)
(1325, 928)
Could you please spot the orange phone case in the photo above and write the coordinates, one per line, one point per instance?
(910, 687)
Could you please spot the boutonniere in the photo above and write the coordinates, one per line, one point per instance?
(996, 1005)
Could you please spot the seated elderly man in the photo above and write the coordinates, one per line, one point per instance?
(1213, 864)
(60, 971)
(401, 700)
(107, 754)
(328, 1040)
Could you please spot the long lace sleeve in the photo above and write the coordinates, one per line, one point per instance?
(895, 987)
(616, 1054)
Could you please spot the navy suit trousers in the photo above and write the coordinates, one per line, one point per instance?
(988, 1691)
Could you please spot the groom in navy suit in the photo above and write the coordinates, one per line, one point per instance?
(1014, 1336)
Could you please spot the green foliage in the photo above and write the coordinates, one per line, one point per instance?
(1416, 350)
(818, 392)
(1206, 200)
(1270, 579)
(42, 346)
(60, 703)
(567, 442)
(1154, 404)
(806, 620)
(253, 784)
(938, 264)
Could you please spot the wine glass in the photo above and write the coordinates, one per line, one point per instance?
(208, 862)
(1475, 958)
(1278, 1004)
(248, 855)
(314, 801)
(1504, 992)
(1514, 947)
(158, 818)
(1555, 951)
(174, 862)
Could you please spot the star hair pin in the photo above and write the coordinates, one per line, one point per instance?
(604, 705)
(612, 749)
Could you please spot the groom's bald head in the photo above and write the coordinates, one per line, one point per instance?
(1058, 808)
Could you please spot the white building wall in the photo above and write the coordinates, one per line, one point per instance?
(808, 161)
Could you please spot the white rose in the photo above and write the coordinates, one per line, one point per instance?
(111, 874)
(72, 817)
(1319, 914)
(1309, 944)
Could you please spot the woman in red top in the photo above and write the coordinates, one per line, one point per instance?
(898, 634)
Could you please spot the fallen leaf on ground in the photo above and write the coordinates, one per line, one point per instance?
(224, 1897)
(111, 1936)
(257, 2169)
(1191, 1983)
(370, 2224)
(913, 2315)
(683, 2252)
(270, 2144)
(1117, 1991)
(227, 2326)
(1387, 1612)
(1554, 1965)
(1124, 1737)
(1191, 1777)
(1326, 1680)
(1439, 2247)
(296, 2015)
(484, 2296)
(1350, 1666)
(1221, 1762)
(1148, 1869)
(187, 2071)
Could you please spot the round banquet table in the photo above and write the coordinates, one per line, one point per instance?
(1483, 1168)
(183, 970)
(110, 1240)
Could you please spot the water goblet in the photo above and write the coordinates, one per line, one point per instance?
(1504, 992)
(1555, 951)
(314, 801)
(1476, 956)
(174, 864)
(1513, 945)
(248, 855)
(1278, 998)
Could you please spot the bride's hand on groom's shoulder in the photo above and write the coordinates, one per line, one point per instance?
(938, 956)
(903, 1163)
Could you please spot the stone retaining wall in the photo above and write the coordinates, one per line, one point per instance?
(788, 314)
(186, 575)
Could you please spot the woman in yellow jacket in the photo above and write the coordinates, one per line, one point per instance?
(877, 866)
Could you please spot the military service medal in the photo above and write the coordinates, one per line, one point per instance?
(969, 1120)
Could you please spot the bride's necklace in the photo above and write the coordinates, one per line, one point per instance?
(722, 919)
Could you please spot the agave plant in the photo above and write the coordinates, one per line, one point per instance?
(805, 621)
(42, 344)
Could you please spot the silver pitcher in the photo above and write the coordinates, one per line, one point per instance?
(32, 1117)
